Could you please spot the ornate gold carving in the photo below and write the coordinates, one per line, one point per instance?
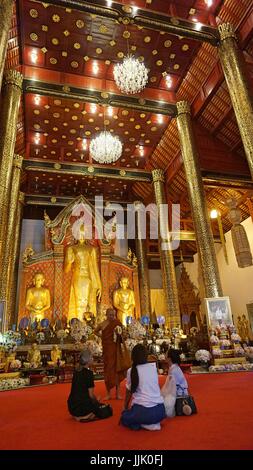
(13, 77)
(158, 175)
(34, 13)
(57, 166)
(80, 24)
(17, 161)
(34, 37)
(127, 9)
(226, 31)
(204, 237)
(21, 197)
(183, 107)
(122, 173)
(91, 169)
(231, 60)
(53, 199)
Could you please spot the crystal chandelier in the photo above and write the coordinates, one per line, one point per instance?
(131, 76)
(105, 148)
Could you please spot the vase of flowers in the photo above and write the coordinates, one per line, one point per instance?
(203, 356)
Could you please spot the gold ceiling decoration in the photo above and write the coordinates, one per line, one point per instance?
(53, 60)
(147, 39)
(44, 50)
(112, 43)
(77, 45)
(55, 41)
(74, 64)
(167, 43)
(99, 50)
(56, 18)
(103, 29)
(34, 13)
(44, 27)
(126, 34)
(64, 54)
(89, 38)
(34, 37)
(80, 24)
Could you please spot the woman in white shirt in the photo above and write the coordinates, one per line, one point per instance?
(176, 384)
(142, 386)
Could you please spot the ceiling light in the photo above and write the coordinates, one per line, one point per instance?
(213, 214)
(105, 148)
(34, 56)
(168, 81)
(37, 100)
(160, 119)
(131, 76)
(93, 108)
(110, 111)
(95, 68)
(37, 139)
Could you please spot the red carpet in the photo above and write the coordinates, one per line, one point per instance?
(37, 418)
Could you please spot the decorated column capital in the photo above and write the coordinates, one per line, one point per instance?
(17, 161)
(183, 107)
(226, 30)
(158, 175)
(13, 77)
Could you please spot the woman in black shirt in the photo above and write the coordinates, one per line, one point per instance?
(82, 403)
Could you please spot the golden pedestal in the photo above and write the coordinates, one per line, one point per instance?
(229, 360)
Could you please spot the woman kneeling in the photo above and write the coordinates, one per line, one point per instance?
(142, 387)
(82, 403)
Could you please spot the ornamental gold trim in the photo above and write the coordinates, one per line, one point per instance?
(158, 175)
(226, 30)
(183, 107)
(17, 161)
(13, 77)
(21, 197)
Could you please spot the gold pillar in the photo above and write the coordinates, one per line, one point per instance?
(7, 259)
(8, 129)
(233, 65)
(6, 7)
(166, 256)
(141, 253)
(196, 194)
(12, 315)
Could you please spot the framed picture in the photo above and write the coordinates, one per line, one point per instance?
(218, 311)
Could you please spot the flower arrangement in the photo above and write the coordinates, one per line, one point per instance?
(40, 336)
(235, 338)
(130, 343)
(94, 348)
(10, 384)
(203, 355)
(159, 332)
(117, 332)
(16, 364)
(217, 352)
(214, 339)
(239, 352)
(231, 367)
(249, 351)
(136, 330)
(61, 334)
(225, 344)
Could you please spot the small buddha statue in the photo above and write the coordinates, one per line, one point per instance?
(34, 356)
(56, 356)
(245, 329)
(11, 357)
(124, 301)
(38, 298)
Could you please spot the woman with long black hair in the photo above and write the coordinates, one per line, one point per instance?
(147, 407)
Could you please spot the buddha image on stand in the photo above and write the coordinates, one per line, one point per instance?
(38, 298)
(124, 301)
(85, 282)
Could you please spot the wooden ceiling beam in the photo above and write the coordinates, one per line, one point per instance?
(126, 14)
(107, 98)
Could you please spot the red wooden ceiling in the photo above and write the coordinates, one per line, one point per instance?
(66, 44)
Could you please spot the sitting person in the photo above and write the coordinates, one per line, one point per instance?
(142, 386)
(82, 402)
(176, 383)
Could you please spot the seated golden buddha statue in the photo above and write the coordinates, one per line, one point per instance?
(56, 356)
(33, 357)
(38, 298)
(2, 357)
(124, 301)
(86, 286)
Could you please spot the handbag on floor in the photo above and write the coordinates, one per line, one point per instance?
(104, 411)
(185, 404)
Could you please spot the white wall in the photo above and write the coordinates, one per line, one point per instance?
(237, 283)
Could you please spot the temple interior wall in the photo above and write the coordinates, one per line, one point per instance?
(237, 283)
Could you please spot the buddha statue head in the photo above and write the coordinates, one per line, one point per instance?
(38, 280)
(124, 283)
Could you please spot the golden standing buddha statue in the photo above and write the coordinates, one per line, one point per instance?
(124, 301)
(56, 355)
(38, 298)
(85, 283)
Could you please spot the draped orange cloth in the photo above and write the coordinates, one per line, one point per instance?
(110, 352)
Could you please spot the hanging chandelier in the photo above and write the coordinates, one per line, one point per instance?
(105, 148)
(131, 76)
